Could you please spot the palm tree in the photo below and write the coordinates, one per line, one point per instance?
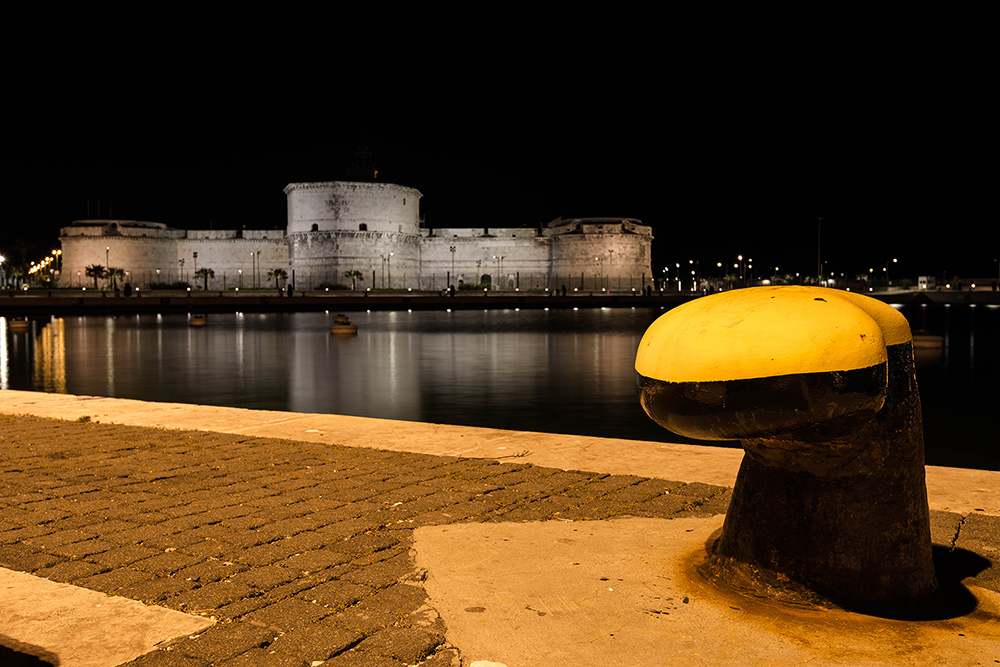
(277, 274)
(354, 275)
(205, 274)
(96, 271)
(115, 274)
(16, 275)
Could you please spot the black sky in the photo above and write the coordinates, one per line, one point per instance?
(721, 153)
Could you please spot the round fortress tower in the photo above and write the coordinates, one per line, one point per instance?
(340, 226)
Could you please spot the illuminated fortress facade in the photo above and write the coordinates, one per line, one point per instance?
(374, 229)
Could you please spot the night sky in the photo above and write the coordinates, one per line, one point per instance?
(737, 153)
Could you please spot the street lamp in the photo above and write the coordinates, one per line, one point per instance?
(611, 268)
(451, 249)
(388, 266)
(107, 261)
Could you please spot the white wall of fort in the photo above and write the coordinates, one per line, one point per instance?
(352, 207)
(374, 228)
(151, 252)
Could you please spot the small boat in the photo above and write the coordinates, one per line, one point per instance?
(199, 320)
(19, 323)
(342, 326)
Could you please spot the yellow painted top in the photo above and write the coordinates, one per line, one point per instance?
(769, 331)
(895, 328)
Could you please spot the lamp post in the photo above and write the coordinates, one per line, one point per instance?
(382, 257)
(180, 268)
(894, 261)
(388, 266)
(451, 249)
(611, 268)
(107, 255)
(240, 271)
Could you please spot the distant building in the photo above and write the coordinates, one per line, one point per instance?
(374, 228)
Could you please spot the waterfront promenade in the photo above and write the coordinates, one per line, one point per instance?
(304, 539)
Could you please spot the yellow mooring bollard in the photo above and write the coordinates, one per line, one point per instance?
(830, 504)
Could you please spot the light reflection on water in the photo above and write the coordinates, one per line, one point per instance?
(564, 371)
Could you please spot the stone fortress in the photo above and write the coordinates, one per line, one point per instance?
(375, 229)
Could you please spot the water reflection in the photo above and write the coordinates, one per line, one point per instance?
(50, 357)
(562, 371)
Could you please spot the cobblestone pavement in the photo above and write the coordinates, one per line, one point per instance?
(301, 551)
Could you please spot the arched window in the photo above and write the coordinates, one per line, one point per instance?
(315, 227)
(485, 279)
(363, 227)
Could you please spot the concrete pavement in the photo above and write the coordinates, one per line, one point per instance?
(320, 539)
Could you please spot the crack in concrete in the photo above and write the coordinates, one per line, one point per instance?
(958, 530)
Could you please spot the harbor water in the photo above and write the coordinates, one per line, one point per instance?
(561, 371)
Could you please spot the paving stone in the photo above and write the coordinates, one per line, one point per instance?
(266, 578)
(211, 596)
(208, 571)
(287, 614)
(408, 645)
(135, 535)
(311, 561)
(387, 606)
(60, 538)
(357, 658)
(23, 558)
(663, 506)
(316, 642)
(82, 549)
(69, 571)
(366, 543)
(444, 657)
(259, 657)
(266, 554)
(226, 640)
(241, 608)
(166, 563)
(336, 594)
(307, 541)
(113, 581)
(156, 590)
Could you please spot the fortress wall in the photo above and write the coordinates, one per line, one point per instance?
(575, 260)
(227, 256)
(318, 257)
(346, 206)
(208, 234)
(525, 260)
(139, 256)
